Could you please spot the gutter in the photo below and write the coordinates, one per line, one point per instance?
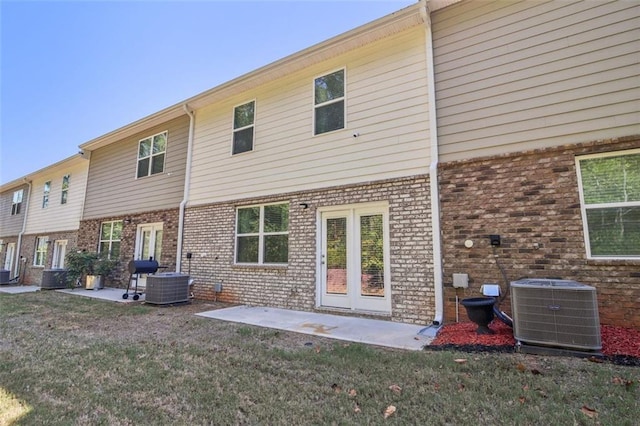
(187, 185)
(17, 266)
(433, 170)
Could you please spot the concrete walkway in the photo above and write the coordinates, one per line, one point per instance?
(18, 289)
(107, 293)
(362, 330)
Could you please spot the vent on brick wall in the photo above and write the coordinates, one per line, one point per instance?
(559, 313)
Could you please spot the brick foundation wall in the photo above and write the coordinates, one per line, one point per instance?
(89, 237)
(209, 236)
(531, 199)
(32, 275)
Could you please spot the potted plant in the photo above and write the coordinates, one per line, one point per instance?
(89, 267)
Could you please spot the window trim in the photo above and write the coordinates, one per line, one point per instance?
(110, 240)
(343, 99)
(40, 251)
(260, 234)
(252, 125)
(151, 155)
(584, 208)
(64, 193)
(16, 206)
(46, 191)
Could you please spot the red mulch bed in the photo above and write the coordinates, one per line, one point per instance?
(619, 344)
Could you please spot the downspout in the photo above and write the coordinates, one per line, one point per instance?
(187, 186)
(24, 228)
(433, 170)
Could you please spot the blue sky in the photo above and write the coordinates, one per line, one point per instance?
(71, 71)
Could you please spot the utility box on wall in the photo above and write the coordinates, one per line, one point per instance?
(460, 280)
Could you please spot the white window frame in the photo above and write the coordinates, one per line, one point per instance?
(260, 234)
(152, 155)
(234, 130)
(64, 194)
(584, 207)
(40, 252)
(16, 202)
(46, 191)
(342, 99)
(111, 240)
(9, 257)
(59, 252)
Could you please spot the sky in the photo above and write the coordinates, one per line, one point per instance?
(71, 71)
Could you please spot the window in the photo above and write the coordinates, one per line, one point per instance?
(40, 256)
(65, 189)
(110, 235)
(16, 203)
(151, 153)
(610, 199)
(329, 102)
(59, 253)
(262, 234)
(243, 119)
(45, 194)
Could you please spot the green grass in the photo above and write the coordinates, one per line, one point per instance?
(67, 360)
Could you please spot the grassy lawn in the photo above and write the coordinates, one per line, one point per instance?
(67, 360)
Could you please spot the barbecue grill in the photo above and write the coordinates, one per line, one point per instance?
(137, 267)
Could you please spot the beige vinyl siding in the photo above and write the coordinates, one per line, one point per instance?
(386, 102)
(521, 75)
(12, 225)
(58, 217)
(113, 189)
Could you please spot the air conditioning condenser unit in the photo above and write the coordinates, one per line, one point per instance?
(558, 313)
(167, 288)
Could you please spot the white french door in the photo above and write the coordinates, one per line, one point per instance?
(59, 253)
(9, 258)
(354, 259)
(148, 246)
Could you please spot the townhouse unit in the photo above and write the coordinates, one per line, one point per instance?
(539, 141)
(13, 202)
(310, 184)
(135, 186)
(40, 220)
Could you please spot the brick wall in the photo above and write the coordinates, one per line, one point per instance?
(209, 236)
(531, 200)
(30, 274)
(89, 237)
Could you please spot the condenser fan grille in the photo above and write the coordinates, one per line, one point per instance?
(556, 313)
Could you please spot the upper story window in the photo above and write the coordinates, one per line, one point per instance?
(262, 234)
(151, 153)
(65, 189)
(40, 255)
(45, 194)
(610, 199)
(16, 202)
(110, 236)
(329, 111)
(243, 127)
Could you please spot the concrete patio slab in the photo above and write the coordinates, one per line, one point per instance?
(18, 289)
(107, 293)
(362, 330)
